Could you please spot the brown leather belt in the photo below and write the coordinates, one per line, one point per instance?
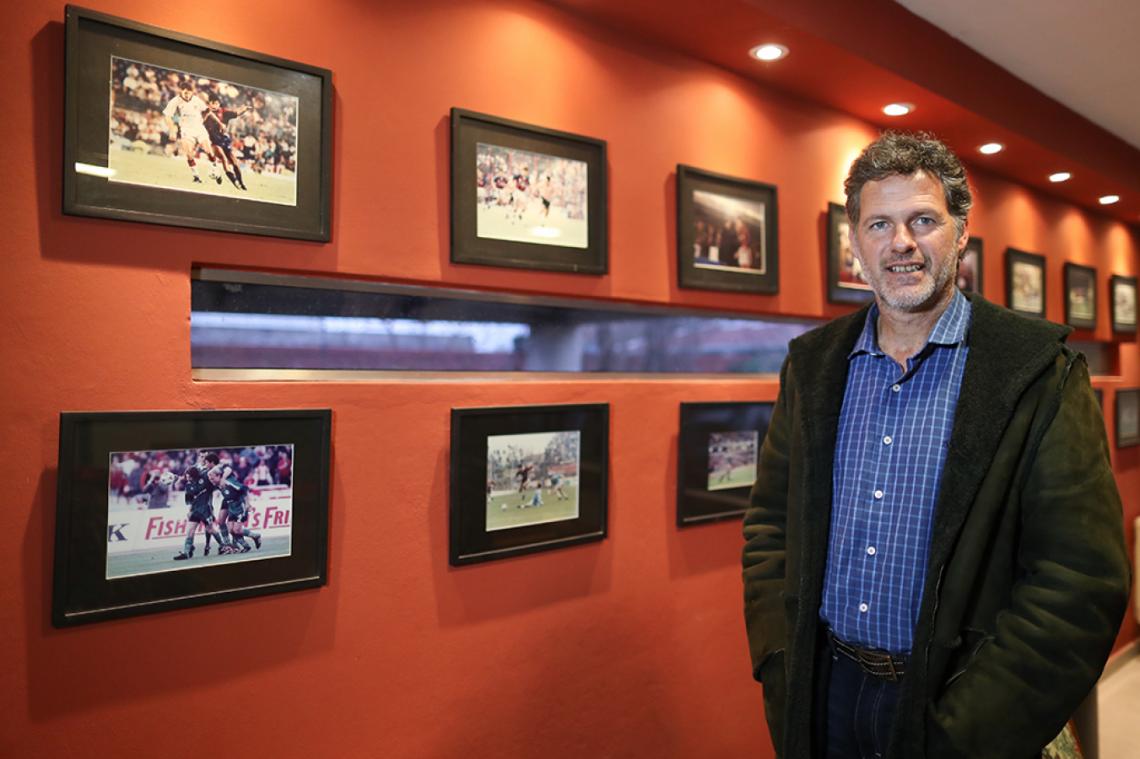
(874, 662)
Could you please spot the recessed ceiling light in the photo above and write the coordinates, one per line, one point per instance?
(990, 148)
(898, 109)
(769, 51)
(1060, 176)
(1107, 200)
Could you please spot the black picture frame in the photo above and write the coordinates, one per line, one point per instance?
(710, 433)
(101, 517)
(844, 283)
(1080, 296)
(1122, 301)
(487, 226)
(1025, 283)
(1127, 408)
(489, 449)
(717, 213)
(115, 165)
(971, 269)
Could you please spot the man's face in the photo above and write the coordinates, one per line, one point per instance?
(906, 241)
(186, 93)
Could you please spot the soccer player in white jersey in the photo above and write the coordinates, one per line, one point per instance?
(190, 131)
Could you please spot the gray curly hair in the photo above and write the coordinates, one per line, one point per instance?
(904, 153)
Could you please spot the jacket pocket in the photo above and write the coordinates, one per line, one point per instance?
(965, 647)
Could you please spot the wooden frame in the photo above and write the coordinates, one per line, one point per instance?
(503, 215)
(844, 280)
(727, 233)
(1025, 290)
(526, 479)
(1127, 409)
(125, 159)
(718, 448)
(122, 513)
(1122, 301)
(1080, 296)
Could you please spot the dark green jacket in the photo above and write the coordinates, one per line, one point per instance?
(1028, 577)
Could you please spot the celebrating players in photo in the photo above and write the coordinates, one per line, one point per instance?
(532, 478)
(167, 126)
(732, 459)
(729, 234)
(530, 197)
(161, 502)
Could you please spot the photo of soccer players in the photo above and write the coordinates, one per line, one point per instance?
(728, 233)
(732, 459)
(530, 197)
(532, 478)
(187, 508)
(179, 130)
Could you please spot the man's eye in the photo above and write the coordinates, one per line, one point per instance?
(877, 226)
(924, 220)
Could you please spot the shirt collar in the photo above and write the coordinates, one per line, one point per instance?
(950, 329)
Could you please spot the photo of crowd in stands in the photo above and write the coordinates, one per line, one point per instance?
(171, 510)
(732, 459)
(179, 130)
(532, 478)
(728, 233)
(523, 196)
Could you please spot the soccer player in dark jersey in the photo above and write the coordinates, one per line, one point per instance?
(206, 462)
(522, 474)
(217, 121)
(234, 511)
(200, 498)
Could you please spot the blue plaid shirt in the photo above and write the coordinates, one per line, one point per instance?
(893, 433)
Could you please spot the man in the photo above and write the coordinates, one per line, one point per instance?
(189, 131)
(199, 498)
(216, 123)
(934, 562)
(234, 512)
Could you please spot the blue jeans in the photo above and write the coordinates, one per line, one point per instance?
(853, 711)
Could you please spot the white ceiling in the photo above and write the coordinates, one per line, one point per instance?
(1082, 53)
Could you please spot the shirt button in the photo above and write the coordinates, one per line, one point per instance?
(870, 550)
(887, 440)
(896, 388)
(878, 495)
(863, 608)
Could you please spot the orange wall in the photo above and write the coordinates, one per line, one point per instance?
(630, 647)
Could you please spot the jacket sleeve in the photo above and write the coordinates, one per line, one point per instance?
(765, 547)
(1051, 642)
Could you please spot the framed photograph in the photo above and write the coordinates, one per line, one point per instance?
(526, 196)
(1123, 293)
(1080, 296)
(726, 233)
(970, 267)
(845, 283)
(717, 450)
(1065, 745)
(527, 479)
(1025, 282)
(171, 129)
(1127, 418)
(162, 510)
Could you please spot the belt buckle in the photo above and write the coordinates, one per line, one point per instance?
(873, 665)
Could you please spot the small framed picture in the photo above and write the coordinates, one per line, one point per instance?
(526, 196)
(970, 267)
(166, 128)
(1123, 292)
(1065, 745)
(726, 233)
(1127, 418)
(527, 479)
(1080, 296)
(1025, 282)
(717, 451)
(845, 283)
(164, 510)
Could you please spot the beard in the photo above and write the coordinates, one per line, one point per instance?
(937, 279)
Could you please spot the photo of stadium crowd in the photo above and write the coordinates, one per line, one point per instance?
(532, 478)
(732, 459)
(530, 197)
(729, 234)
(182, 131)
(187, 508)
